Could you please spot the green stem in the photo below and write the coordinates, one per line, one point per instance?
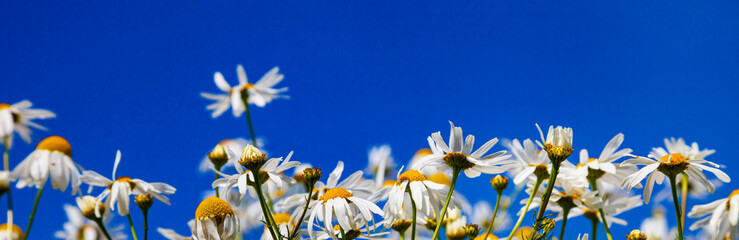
(33, 213)
(594, 223)
(6, 163)
(684, 198)
(244, 99)
(130, 223)
(218, 195)
(495, 212)
(677, 207)
(265, 210)
(594, 186)
(565, 212)
(302, 215)
(146, 225)
(402, 236)
(455, 174)
(548, 192)
(414, 209)
(526, 208)
(100, 224)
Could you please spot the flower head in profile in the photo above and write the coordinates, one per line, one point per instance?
(723, 215)
(80, 228)
(17, 118)
(228, 149)
(215, 220)
(413, 186)
(458, 155)
(528, 159)
(52, 158)
(558, 143)
(259, 93)
(269, 171)
(657, 167)
(119, 190)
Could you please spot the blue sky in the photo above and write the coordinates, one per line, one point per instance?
(123, 75)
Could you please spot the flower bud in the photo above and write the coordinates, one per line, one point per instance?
(252, 158)
(472, 230)
(431, 224)
(499, 183)
(636, 235)
(548, 225)
(311, 175)
(218, 156)
(144, 202)
(541, 171)
(90, 207)
(401, 225)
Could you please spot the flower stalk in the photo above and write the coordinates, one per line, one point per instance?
(414, 209)
(245, 98)
(539, 180)
(130, 223)
(455, 175)
(100, 224)
(678, 213)
(33, 213)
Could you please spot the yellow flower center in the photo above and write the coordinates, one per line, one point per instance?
(335, 193)
(524, 232)
(337, 228)
(15, 229)
(281, 218)
(389, 183)
(123, 179)
(412, 175)
(4, 106)
(728, 200)
(482, 237)
(213, 207)
(440, 178)
(55, 144)
(457, 160)
(673, 159)
(422, 153)
(579, 165)
(592, 159)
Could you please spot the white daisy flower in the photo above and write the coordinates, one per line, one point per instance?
(341, 201)
(120, 189)
(270, 173)
(602, 168)
(455, 229)
(79, 227)
(259, 93)
(671, 164)
(14, 232)
(52, 157)
(612, 207)
(427, 195)
(215, 220)
(570, 195)
(724, 215)
(458, 154)
(679, 146)
(528, 159)
(17, 118)
(381, 163)
(558, 142)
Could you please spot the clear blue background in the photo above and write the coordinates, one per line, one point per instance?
(126, 75)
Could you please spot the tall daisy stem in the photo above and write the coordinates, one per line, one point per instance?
(218, 194)
(684, 197)
(33, 212)
(548, 192)
(678, 213)
(455, 174)
(245, 98)
(526, 208)
(414, 209)
(146, 225)
(495, 213)
(130, 223)
(594, 186)
(6, 164)
(296, 231)
(565, 212)
(594, 224)
(100, 224)
(265, 211)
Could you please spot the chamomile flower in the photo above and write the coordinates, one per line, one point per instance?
(380, 164)
(414, 186)
(528, 158)
(458, 155)
(17, 118)
(341, 201)
(602, 168)
(118, 191)
(13, 231)
(52, 158)
(557, 144)
(269, 172)
(215, 220)
(612, 207)
(724, 215)
(673, 145)
(671, 165)
(354, 183)
(259, 93)
(80, 228)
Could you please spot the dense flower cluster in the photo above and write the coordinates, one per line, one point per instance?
(290, 200)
